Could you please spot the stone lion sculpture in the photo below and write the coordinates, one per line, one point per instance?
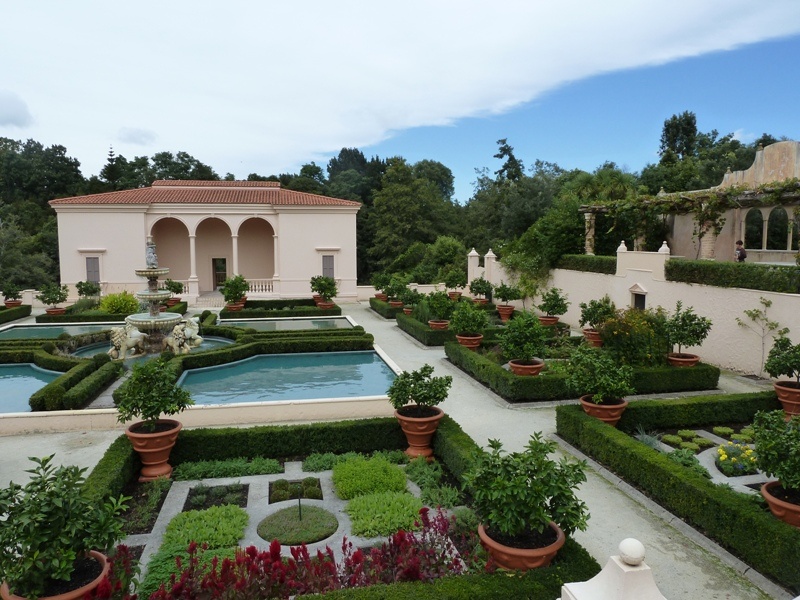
(184, 337)
(124, 339)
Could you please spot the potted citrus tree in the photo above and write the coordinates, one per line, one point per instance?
(415, 396)
(455, 280)
(601, 381)
(441, 308)
(522, 343)
(233, 290)
(526, 502)
(481, 290)
(506, 293)
(397, 285)
(379, 281)
(410, 298)
(468, 321)
(326, 288)
(12, 295)
(152, 391)
(52, 294)
(176, 289)
(554, 304)
(593, 314)
(51, 532)
(776, 446)
(686, 328)
(784, 359)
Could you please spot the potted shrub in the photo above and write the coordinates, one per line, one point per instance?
(12, 295)
(379, 281)
(233, 290)
(554, 303)
(326, 288)
(776, 444)
(468, 321)
(410, 298)
(593, 314)
(784, 359)
(506, 293)
(395, 288)
(88, 289)
(603, 383)
(176, 289)
(50, 531)
(440, 307)
(315, 283)
(152, 391)
(526, 502)
(455, 280)
(52, 294)
(482, 289)
(686, 328)
(522, 342)
(415, 396)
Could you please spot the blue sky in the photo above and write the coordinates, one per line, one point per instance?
(267, 87)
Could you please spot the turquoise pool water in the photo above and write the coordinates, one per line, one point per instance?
(209, 343)
(51, 332)
(290, 324)
(275, 377)
(18, 382)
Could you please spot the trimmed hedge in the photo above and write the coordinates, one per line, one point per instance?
(12, 314)
(51, 396)
(740, 523)
(100, 317)
(513, 388)
(588, 263)
(254, 309)
(119, 466)
(421, 332)
(86, 390)
(384, 309)
(752, 276)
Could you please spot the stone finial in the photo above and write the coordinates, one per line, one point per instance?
(490, 254)
(473, 252)
(622, 247)
(631, 551)
(661, 192)
(664, 248)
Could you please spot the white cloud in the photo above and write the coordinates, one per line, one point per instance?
(744, 137)
(266, 86)
(13, 110)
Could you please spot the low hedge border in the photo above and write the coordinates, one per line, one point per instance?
(99, 317)
(384, 309)
(510, 387)
(51, 396)
(298, 311)
(86, 390)
(588, 263)
(12, 314)
(738, 522)
(752, 276)
(421, 332)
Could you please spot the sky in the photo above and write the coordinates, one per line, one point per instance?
(265, 87)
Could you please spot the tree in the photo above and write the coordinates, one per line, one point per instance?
(438, 174)
(679, 135)
(347, 159)
(181, 166)
(512, 169)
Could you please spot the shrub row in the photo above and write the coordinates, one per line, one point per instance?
(52, 395)
(734, 520)
(297, 311)
(12, 314)
(95, 316)
(646, 380)
(753, 276)
(588, 263)
(422, 333)
(384, 309)
(86, 390)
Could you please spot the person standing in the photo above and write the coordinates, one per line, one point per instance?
(740, 253)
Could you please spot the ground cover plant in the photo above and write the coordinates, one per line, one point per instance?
(202, 496)
(283, 489)
(232, 467)
(144, 505)
(300, 524)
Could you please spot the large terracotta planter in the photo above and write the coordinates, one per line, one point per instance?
(419, 432)
(407, 310)
(682, 359)
(13, 303)
(505, 311)
(593, 337)
(607, 413)
(173, 301)
(395, 303)
(454, 295)
(788, 393)
(473, 342)
(526, 368)
(521, 559)
(438, 324)
(234, 306)
(76, 594)
(480, 301)
(382, 297)
(322, 305)
(154, 448)
(548, 321)
(55, 310)
(785, 511)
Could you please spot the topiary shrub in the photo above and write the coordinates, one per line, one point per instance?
(123, 303)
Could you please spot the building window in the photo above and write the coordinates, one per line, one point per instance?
(93, 269)
(639, 301)
(327, 265)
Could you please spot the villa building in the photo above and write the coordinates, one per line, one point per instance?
(207, 231)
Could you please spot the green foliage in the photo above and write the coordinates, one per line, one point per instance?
(589, 263)
(480, 287)
(397, 285)
(777, 445)
(596, 312)
(523, 491)
(359, 476)
(383, 513)
(384, 309)
(784, 359)
(722, 431)
(411, 297)
(685, 328)
(687, 458)
(735, 458)
(12, 314)
(380, 280)
(424, 473)
(671, 439)
(440, 305)
(636, 337)
(218, 526)
(702, 442)
(292, 527)
(324, 286)
(231, 467)
(761, 324)
(48, 523)
(87, 289)
(507, 293)
(445, 496)
(468, 319)
(123, 303)
(690, 446)
(151, 391)
(753, 276)
(419, 387)
(11, 291)
(594, 372)
(324, 461)
(52, 294)
(233, 288)
(554, 302)
(530, 272)
(175, 287)
(420, 331)
(523, 337)
(686, 434)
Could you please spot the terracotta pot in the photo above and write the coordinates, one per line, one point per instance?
(788, 393)
(173, 301)
(407, 310)
(505, 311)
(162, 308)
(525, 368)
(454, 295)
(55, 311)
(154, 448)
(419, 432)
(75, 594)
(438, 324)
(682, 359)
(480, 301)
(785, 511)
(13, 303)
(382, 297)
(521, 559)
(325, 305)
(547, 321)
(395, 303)
(593, 337)
(607, 413)
(234, 306)
(473, 342)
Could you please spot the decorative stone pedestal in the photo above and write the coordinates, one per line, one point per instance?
(624, 577)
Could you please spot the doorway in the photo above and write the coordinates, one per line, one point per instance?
(219, 267)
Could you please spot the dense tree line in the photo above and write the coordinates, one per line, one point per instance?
(409, 222)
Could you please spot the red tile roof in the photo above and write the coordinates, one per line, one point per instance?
(208, 192)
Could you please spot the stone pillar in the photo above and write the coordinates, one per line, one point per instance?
(708, 242)
(235, 245)
(764, 230)
(473, 265)
(489, 261)
(194, 284)
(589, 232)
(275, 256)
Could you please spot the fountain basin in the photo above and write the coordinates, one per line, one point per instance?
(161, 322)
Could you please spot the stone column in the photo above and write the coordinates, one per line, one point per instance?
(194, 284)
(275, 256)
(589, 218)
(708, 242)
(489, 261)
(235, 244)
(473, 264)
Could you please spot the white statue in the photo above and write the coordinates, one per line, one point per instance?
(183, 337)
(124, 339)
(192, 331)
(150, 256)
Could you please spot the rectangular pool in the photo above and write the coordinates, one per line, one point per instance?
(51, 332)
(293, 324)
(18, 382)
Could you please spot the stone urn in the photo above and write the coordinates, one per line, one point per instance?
(473, 342)
(607, 411)
(438, 324)
(505, 311)
(419, 431)
(526, 368)
(154, 448)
